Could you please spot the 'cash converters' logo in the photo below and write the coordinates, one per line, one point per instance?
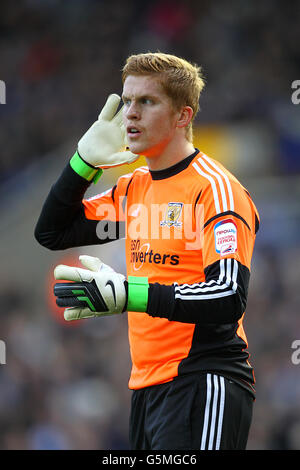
(143, 253)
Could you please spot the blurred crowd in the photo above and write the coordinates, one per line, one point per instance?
(62, 386)
(65, 387)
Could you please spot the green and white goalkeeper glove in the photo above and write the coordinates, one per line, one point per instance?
(98, 290)
(104, 144)
(95, 291)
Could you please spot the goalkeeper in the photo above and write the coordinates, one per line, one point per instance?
(185, 291)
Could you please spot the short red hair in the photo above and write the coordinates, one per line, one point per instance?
(181, 80)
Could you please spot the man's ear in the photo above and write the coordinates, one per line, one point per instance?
(185, 116)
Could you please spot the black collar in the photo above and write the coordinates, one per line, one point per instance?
(173, 170)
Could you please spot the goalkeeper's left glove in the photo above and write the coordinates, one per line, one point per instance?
(98, 290)
(103, 145)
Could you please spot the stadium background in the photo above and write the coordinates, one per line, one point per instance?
(65, 386)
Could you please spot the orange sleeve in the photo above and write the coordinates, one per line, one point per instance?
(108, 205)
(231, 233)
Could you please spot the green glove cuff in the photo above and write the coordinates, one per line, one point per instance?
(137, 294)
(84, 170)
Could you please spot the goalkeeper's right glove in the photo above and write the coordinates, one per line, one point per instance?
(98, 290)
(95, 291)
(104, 144)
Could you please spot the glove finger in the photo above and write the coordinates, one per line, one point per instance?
(132, 157)
(110, 108)
(69, 273)
(118, 119)
(125, 136)
(68, 302)
(74, 313)
(128, 157)
(91, 262)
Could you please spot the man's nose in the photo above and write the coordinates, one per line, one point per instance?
(132, 111)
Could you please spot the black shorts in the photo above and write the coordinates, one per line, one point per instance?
(199, 411)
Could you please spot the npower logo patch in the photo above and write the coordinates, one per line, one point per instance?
(225, 233)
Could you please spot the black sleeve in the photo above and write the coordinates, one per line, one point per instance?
(221, 298)
(62, 223)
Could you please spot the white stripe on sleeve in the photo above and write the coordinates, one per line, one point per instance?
(225, 285)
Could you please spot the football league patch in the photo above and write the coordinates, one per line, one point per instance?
(225, 233)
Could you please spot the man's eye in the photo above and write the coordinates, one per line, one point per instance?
(147, 101)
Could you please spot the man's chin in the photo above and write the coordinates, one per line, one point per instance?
(144, 151)
(139, 150)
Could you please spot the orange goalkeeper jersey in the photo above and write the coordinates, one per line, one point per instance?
(191, 230)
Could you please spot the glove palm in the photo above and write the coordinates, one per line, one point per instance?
(103, 145)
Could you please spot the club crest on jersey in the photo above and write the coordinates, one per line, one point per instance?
(172, 215)
(225, 233)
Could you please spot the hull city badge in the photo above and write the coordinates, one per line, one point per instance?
(172, 215)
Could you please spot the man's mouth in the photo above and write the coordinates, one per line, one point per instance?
(133, 131)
